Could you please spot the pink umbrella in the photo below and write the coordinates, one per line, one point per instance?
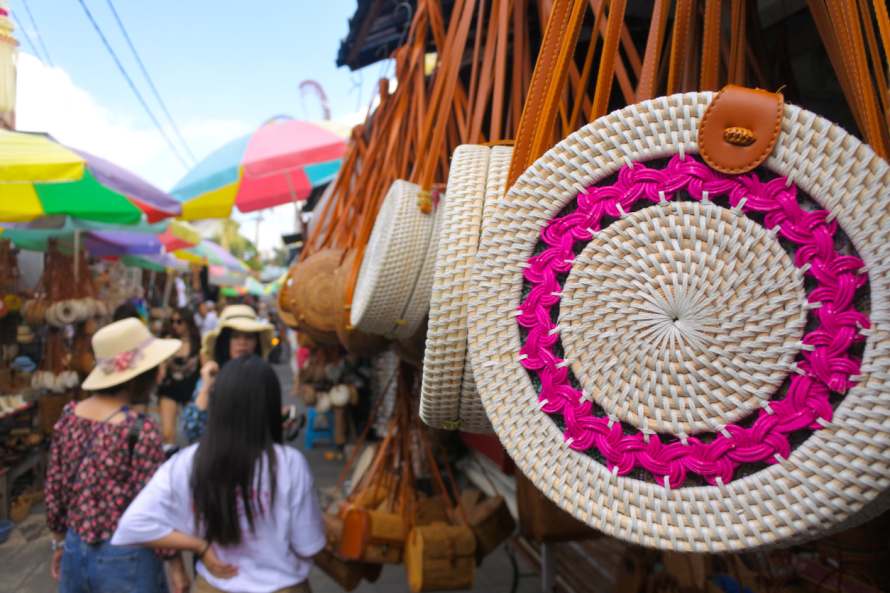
(279, 163)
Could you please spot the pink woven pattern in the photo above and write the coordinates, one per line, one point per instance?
(826, 367)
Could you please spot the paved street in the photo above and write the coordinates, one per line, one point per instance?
(25, 557)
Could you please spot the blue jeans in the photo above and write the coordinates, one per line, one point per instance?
(103, 568)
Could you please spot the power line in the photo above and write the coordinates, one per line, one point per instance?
(28, 37)
(151, 84)
(39, 36)
(133, 86)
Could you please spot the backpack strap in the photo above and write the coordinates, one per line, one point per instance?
(133, 433)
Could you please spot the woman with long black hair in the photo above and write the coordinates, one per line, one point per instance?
(243, 502)
(239, 333)
(180, 374)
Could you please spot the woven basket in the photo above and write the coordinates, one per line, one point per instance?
(318, 335)
(441, 557)
(446, 338)
(411, 349)
(706, 452)
(311, 291)
(392, 265)
(472, 412)
(283, 300)
(355, 341)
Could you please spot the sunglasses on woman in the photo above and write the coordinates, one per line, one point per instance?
(178, 321)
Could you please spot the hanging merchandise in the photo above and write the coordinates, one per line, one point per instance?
(686, 276)
(54, 373)
(476, 182)
(311, 286)
(61, 296)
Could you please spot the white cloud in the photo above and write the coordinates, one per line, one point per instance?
(49, 101)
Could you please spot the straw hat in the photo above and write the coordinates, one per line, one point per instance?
(24, 334)
(638, 337)
(125, 349)
(240, 318)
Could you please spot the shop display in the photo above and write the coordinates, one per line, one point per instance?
(690, 314)
(446, 338)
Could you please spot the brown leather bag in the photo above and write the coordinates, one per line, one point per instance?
(541, 520)
(372, 536)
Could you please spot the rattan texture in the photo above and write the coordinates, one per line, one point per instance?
(472, 412)
(392, 262)
(835, 479)
(419, 304)
(458, 239)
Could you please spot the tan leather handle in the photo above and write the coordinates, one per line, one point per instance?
(607, 64)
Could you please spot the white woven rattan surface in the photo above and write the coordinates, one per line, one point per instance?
(472, 412)
(629, 305)
(419, 304)
(837, 478)
(391, 263)
(458, 238)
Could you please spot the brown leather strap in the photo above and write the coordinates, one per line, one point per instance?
(607, 64)
(710, 64)
(738, 42)
(541, 77)
(588, 62)
(654, 47)
(682, 23)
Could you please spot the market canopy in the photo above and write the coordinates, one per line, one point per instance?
(209, 253)
(40, 177)
(279, 163)
(104, 239)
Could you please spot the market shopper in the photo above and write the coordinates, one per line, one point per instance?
(197, 500)
(210, 322)
(102, 455)
(180, 374)
(239, 333)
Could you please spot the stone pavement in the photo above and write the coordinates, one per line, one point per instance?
(25, 557)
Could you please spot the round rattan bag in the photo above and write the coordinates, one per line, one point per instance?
(689, 359)
(394, 264)
(446, 338)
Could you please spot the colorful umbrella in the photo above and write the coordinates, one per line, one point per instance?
(251, 286)
(40, 177)
(104, 239)
(208, 252)
(278, 163)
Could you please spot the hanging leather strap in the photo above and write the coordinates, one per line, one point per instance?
(710, 64)
(532, 113)
(682, 23)
(607, 64)
(738, 43)
(654, 47)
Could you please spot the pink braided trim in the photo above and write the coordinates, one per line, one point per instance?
(826, 367)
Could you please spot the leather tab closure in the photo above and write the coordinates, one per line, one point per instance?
(740, 128)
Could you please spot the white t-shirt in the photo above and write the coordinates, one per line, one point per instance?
(277, 555)
(211, 322)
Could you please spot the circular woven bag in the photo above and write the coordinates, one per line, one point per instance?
(310, 288)
(446, 338)
(354, 340)
(686, 359)
(392, 264)
(472, 412)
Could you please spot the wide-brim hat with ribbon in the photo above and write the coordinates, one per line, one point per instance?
(123, 350)
(240, 318)
(678, 324)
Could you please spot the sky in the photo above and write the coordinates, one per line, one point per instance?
(222, 68)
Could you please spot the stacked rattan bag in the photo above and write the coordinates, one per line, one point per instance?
(448, 396)
(395, 278)
(694, 408)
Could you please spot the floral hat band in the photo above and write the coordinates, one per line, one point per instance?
(125, 360)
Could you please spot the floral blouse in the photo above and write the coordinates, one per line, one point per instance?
(92, 505)
(194, 421)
